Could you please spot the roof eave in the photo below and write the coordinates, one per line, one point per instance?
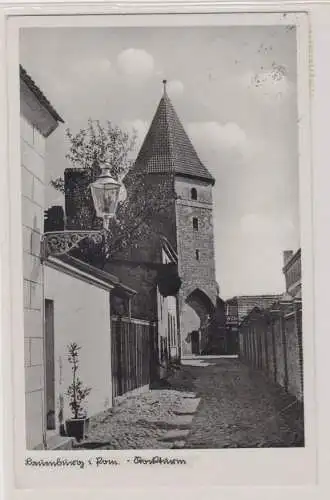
(39, 94)
(209, 180)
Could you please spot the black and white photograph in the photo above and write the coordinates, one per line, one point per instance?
(163, 281)
(162, 257)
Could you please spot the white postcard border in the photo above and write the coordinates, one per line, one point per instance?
(206, 468)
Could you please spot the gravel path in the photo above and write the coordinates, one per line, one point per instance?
(137, 422)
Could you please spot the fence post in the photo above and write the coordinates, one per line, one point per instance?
(285, 350)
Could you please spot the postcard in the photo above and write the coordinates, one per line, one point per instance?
(161, 240)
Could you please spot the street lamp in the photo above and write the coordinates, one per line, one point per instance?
(105, 194)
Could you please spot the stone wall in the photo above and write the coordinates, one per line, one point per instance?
(271, 340)
(32, 168)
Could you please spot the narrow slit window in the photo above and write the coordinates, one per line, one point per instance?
(195, 223)
(197, 254)
(193, 194)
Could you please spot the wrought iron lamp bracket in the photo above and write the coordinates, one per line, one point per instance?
(58, 243)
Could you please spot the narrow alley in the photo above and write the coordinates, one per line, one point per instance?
(237, 408)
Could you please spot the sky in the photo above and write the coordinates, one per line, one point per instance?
(234, 89)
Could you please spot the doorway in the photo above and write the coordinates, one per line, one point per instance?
(50, 364)
(195, 342)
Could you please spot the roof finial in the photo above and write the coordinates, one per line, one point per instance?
(164, 83)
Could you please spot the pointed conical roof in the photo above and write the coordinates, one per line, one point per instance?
(167, 148)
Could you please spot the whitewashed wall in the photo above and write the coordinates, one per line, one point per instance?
(33, 173)
(81, 315)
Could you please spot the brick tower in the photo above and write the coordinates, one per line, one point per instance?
(167, 156)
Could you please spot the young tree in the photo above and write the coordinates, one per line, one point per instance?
(95, 145)
(148, 199)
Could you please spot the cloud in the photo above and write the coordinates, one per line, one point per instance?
(136, 64)
(216, 136)
(175, 88)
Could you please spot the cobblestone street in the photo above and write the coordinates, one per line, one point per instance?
(137, 422)
(238, 407)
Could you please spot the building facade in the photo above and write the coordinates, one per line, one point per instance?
(38, 120)
(292, 272)
(237, 308)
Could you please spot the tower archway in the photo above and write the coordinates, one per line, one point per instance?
(198, 313)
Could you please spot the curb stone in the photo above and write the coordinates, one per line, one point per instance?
(190, 395)
(181, 422)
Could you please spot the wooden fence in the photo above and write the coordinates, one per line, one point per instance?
(271, 340)
(131, 354)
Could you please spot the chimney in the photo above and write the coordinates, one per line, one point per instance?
(287, 254)
(79, 207)
(54, 219)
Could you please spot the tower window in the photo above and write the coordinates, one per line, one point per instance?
(197, 254)
(193, 193)
(195, 223)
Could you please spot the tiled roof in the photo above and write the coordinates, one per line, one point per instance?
(37, 92)
(168, 149)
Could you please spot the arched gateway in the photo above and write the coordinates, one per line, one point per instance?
(197, 314)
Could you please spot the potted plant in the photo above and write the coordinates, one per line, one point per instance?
(60, 415)
(77, 426)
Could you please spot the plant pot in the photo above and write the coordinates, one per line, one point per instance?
(62, 430)
(77, 428)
